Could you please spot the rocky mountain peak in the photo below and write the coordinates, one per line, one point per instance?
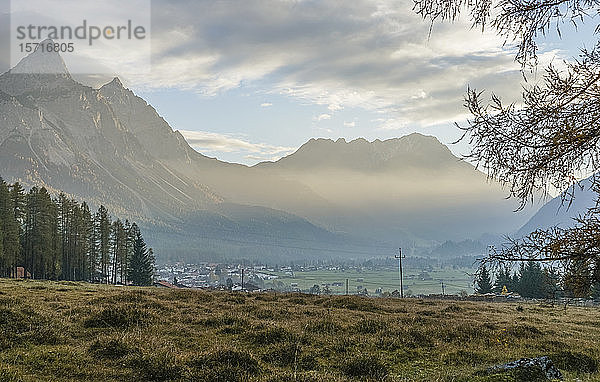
(359, 154)
(116, 82)
(43, 60)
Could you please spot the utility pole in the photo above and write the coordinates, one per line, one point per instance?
(242, 279)
(443, 288)
(400, 257)
(346, 286)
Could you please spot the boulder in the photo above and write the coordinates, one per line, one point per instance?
(529, 369)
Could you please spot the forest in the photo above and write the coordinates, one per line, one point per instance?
(58, 238)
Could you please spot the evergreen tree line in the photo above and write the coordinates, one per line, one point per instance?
(61, 239)
(534, 281)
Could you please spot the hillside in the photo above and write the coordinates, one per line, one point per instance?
(109, 146)
(410, 188)
(83, 332)
(559, 212)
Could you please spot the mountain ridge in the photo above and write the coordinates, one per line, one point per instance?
(111, 147)
(558, 212)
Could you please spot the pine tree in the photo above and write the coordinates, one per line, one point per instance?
(578, 279)
(86, 244)
(484, 283)
(531, 280)
(141, 265)
(103, 237)
(504, 279)
(9, 233)
(61, 239)
(118, 250)
(552, 288)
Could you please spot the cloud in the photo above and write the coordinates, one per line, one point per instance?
(266, 104)
(375, 55)
(323, 117)
(210, 143)
(349, 124)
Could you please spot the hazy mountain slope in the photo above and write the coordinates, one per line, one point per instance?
(110, 147)
(67, 136)
(557, 213)
(233, 182)
(411, 185)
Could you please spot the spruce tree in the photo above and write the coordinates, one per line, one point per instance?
(86, 245)
(103, 237)
(531, 280)
(504, 279)
(484, 283)
(578, 279)
(552, 288)
(9, 233)
(141, 264)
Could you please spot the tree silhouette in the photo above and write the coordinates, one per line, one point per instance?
(484, 282)
(62, 239)
(141, 267)
(553, 135)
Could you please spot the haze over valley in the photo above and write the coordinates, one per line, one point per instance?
(329, 198)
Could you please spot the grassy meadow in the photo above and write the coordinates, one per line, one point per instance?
(455, 280)
(63, 331)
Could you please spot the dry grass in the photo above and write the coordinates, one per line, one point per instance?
(53, 331)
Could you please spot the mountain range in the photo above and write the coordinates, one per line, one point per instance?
(328, 199)
(561, 210)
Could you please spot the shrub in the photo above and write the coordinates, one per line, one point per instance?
(289, 355)
(367, 367)
(574, 362)
(111, 348)
(369, 326)
(156, 366)
(223, 365)
(270, 335)
(120, 316)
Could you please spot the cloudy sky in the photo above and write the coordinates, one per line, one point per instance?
(252, 80)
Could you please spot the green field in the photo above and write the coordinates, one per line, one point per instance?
(65, 331)
(455, 280)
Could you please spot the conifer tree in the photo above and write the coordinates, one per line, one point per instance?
(9, 232)
(103, 237)
(141, 265)
(61, 239)
(484, 283)
(504, 279)
(118, 250)
(578, 279)
(86, 243)
(552, 288)
(531, 280)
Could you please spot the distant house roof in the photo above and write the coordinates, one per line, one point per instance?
(165, 284)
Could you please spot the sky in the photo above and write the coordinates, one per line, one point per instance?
(252, 80)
